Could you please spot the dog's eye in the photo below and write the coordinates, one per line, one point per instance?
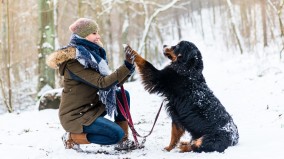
(169, 56)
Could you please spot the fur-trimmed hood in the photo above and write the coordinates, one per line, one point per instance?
(60, 56)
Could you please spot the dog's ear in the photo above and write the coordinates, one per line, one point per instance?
(187, 57)
(180, 58)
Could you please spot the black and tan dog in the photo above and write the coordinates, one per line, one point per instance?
(191, 105)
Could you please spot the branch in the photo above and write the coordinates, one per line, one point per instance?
(149, 21)
(146, 11)
(107, 6)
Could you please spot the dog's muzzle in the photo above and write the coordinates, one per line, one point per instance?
(165, 49)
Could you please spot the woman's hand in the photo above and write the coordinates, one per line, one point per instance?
(130, 54)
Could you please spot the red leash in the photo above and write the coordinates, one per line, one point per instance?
(126, 113)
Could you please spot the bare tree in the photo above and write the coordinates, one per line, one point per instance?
(178, 25)
(80, 9)
(1, 51)
(234, 26)
(6, 102)
(264, 26)
(200, 16)
(100, 10)
(149, 19)
(279, 14)
(6, 59)
(246, 22)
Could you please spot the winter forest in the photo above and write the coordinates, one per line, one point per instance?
(245, 37)
(30, 30)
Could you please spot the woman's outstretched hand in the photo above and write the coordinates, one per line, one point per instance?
(130, 54)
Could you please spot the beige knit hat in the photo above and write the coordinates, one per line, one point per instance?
(84, 27)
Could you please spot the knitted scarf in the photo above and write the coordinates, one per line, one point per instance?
(91, 55)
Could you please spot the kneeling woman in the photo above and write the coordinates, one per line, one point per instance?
(90, 90)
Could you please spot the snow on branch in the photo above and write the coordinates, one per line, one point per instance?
(148, 21)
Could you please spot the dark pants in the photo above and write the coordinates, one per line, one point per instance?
(105, 132)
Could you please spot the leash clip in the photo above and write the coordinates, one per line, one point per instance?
(141, 146)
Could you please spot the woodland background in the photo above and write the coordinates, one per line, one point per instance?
(30, 30)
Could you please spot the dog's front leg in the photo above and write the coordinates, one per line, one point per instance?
(176, 134)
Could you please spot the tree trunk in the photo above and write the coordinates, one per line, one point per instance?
(255, 24)
(201, 19)
(6, 59)
(264, 26)
(80, 10)
(281, 26)
(234, 27)
(58, 78)
(279, 14)
(178, 26)
(124, 30)
(47, 43)
(111, 44)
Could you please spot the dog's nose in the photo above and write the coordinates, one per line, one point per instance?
(165, 46)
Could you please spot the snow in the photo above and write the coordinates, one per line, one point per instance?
(44, 89)
(47, 45)
(250, 88)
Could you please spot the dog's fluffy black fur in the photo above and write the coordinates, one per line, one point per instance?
(191, 104)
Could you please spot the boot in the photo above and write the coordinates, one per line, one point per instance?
(124, 127)
(72, 140)
(125, 143)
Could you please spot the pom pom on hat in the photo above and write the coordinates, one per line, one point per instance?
(84, 27)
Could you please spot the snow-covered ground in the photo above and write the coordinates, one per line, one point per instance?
(250, 88)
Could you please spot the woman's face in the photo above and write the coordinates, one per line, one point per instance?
(94, 37)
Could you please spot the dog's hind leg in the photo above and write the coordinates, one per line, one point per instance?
(189, 146)
(176, 134)
(210, 143)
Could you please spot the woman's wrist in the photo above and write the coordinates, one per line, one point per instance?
(129, 65)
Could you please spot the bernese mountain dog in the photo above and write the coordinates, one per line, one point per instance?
(191, 104)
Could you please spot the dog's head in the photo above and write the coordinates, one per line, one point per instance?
(185, 53)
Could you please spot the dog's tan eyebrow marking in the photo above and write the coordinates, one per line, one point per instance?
(169, 52)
